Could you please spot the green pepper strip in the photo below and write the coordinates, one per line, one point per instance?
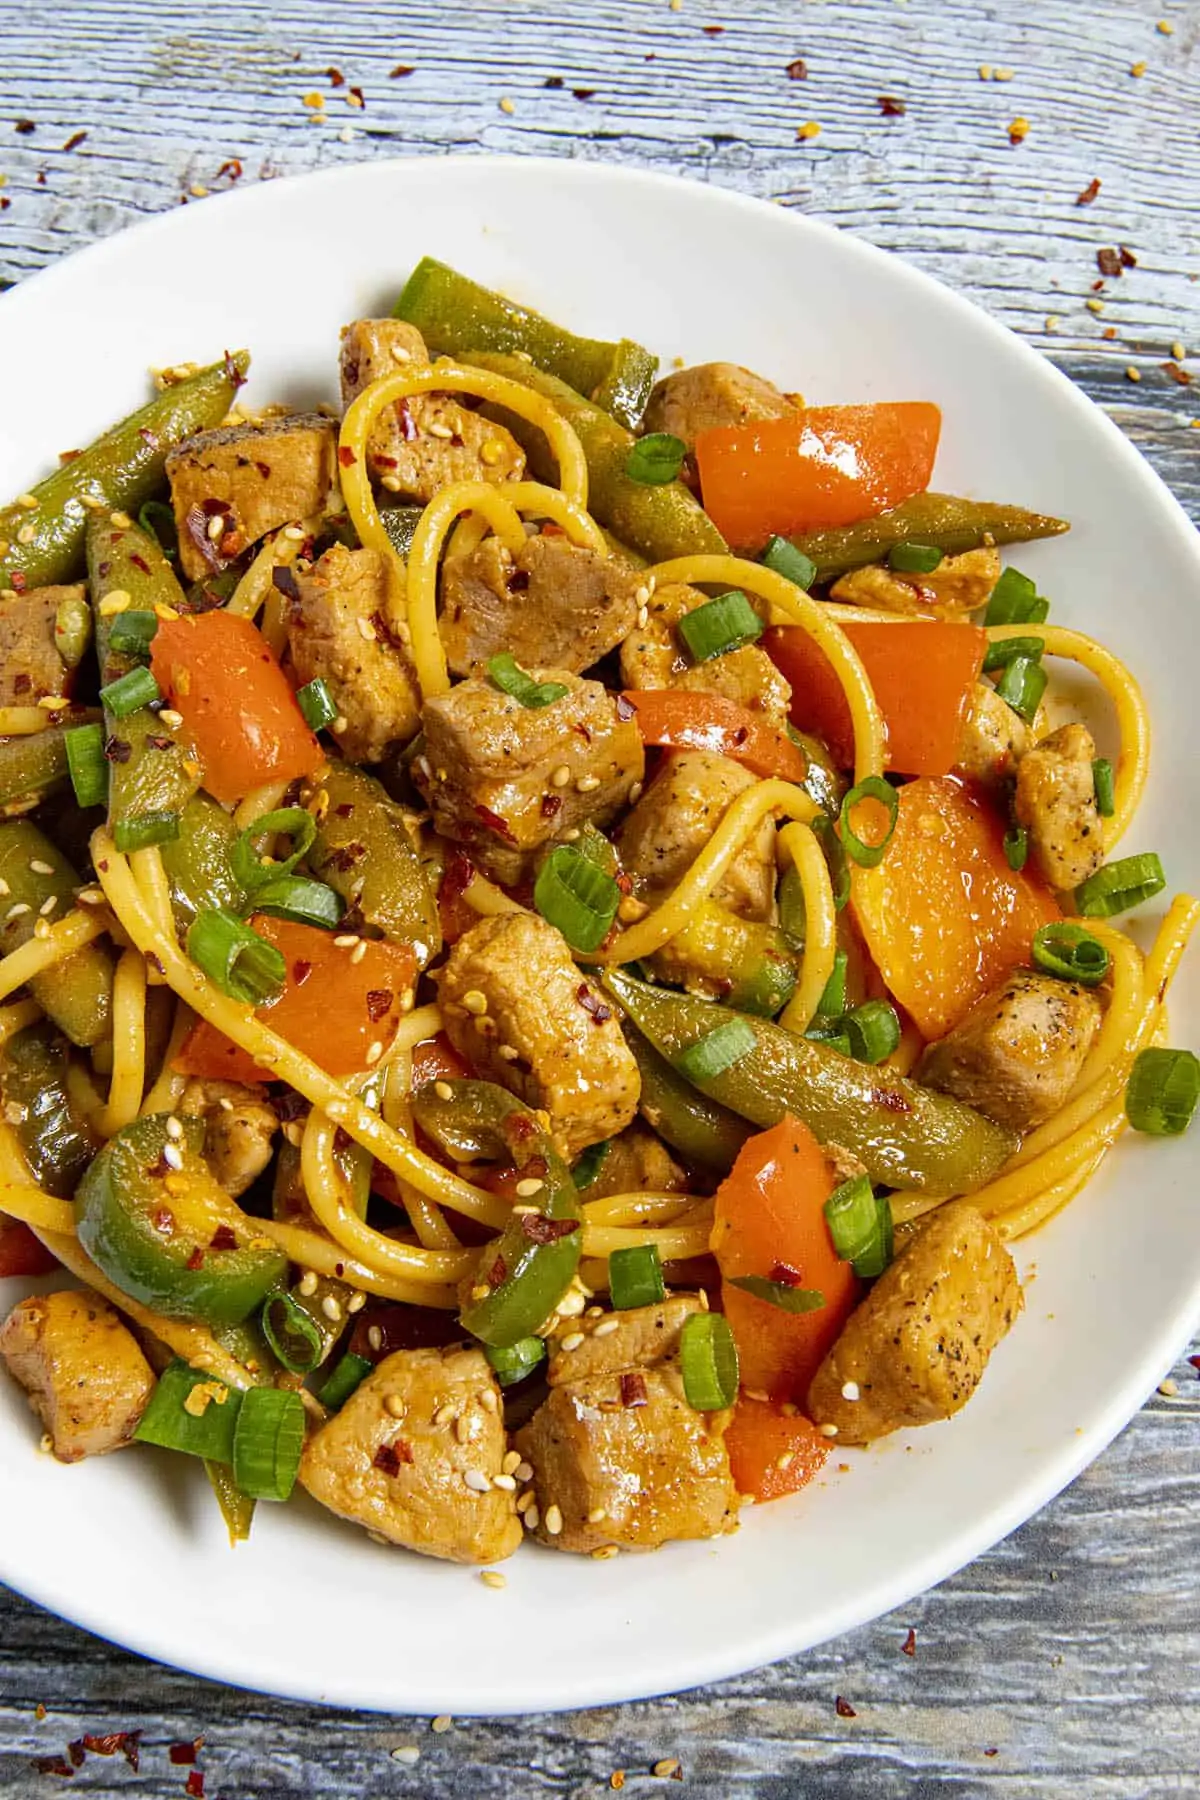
(76, 993)
(364, 852)
(953, 524)
(698, 1128)
(199, 865)
(34, 765)
(57, 1143)
(529, 1269)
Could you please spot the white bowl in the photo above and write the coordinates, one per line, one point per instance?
(131, 1546)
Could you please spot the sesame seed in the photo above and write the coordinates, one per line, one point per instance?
(307, 1285)
(511, 1462)
(394, 1406)
(48, 905)
(1165, 27)
(488, 1399)
(358, 952)
(216, 526)
(375, 1338)
(508, 1052)
(784, 1462)
(346, 134)
(406, 1754)
(172, 1155)
(1138, 69)
(331, 1306)
(440, 430)
(88, 896)
(531, 1518)
(15, 912)
(1178, 352)
(507, 105)
(850, 1390)
(26, 534)
(1094, 306)
(54, 702)
(605, 1553)
(757, 1394)
(367, 630)
(477, 1481)
(492, 452)
(445, 1413)
(493, 1578)
(462, 1428)
(28, 501)
(571, 1305)
(174, 1128)
(507, 1483)
(1132, 374)
(1168, 1387)
(345, 940)
(443, 1722)
(561, 776)
(606, 1327)
(474, 1001)
(526, 1501)
(554, 1520)
(828, 1431)
(636, 792)
(530, 1186)
(1018, 131)
(355, 1303)
(374, 1053)
(664, 1769)
(572, 1341)
(1002, 74)
(41, 930)
(597, 1513)
(643, 617)
(443, 1090)
(810, 129)
(40, 868)
(587, 784)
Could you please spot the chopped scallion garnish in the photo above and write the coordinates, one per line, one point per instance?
(131, 633)
(873, 788)
(789, 561)
(1070, 952)
(1102, 776)
(242, 964)
(635, 1277)
(576, 897)
(251, 869)
(292, 1333)
(656, 459)
(725, 623)
(129, 693)
(348, 1374)
(145, 829)
(861, 1226)
(157, 520)
(268, 1442)
(506, 673)
(87, 764)
(1162, 1092)
(1007, 650)
(587, 1169)
(204, 1426)
(708, 1361)
(832, 1003)
(717, 1050)
(874, 1031)
(513, 1362)
(1016, 847)
(1022, 685)
(317, 704)
(1119, 885)
(1015, 601)
(779, 1293)
(914, 559)
(294, 897)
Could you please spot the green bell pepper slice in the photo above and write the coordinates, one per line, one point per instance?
(364, 852)
(199, 865)
(698, 1128)
(952, 523)
(75, 993)
(35, 765)
(57, 1143)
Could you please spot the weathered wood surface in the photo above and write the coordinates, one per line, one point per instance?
(1071, 1651)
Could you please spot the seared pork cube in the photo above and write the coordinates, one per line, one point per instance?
(915, 1349)
(959, 585)
(507, 778)
(1056, 802)
(338, 630)
(82, 1368)
(427, 441)
(619, 1457)
(654, 656)
(412, 1455)
(673, 821)
(229, 487)
(518, 1007)
(717, 393)
(43, 635)
(1017, 1054)
(636, 1161)
(239, 1130)
(994, 738)
(554, 602)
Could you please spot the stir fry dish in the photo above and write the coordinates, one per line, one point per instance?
(553, 929)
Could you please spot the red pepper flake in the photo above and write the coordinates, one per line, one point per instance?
(909, 1646)
(785, 1273)
(233, 373)
(551, 806)
(583, 93)
(77, 1753)
(232, 168)
(110, 1743)
(51, 1765)
(194, 1785)
(844, 1709)
(1089, 193)
(139, 562)
(5, 202)
(196, 1259)
(18, 581)
(301, 970)
(283, 580)
(1177, 373)
(633, 1388)
(25, 126)
(379, 1003)
(1195, 1362)
(400, 70)
(76, 138)
(890, 1100)
(498, 1272)
(336, 78)
(592, 1003)
(553, 81)
(495, 823)
(992, 1752)
(223, 1238)
(1109, 262)
(389, 1457)
(541, 1230)
(1128, 259)
(184, 1755)
(891, 107)
(712, 30)
(356, 96)
(346, 456)
(408, 425)
(797, 69)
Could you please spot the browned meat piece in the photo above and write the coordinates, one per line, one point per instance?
(959, 585)
(672, 822)
(915, 1350)
(431, 440)
(412, 1456)
(554, 603)
(229, 487)
(653, 656)
(1017, 1054)
(543, 1032)
(338, 629)
(84, 1372)
(506, 778)
(239, 1130)
(994, 738)
(1056, 802)
(619, 1457)
(636, 1161)
(717, 393)
(43, 635)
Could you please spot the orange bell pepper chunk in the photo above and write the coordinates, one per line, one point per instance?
(332, 1008)
(772, 1453)
(217, 670)
(818, 467)
(436, 1059)
(922, 672)
(943, 915)
(682, 720)
(769, 1219)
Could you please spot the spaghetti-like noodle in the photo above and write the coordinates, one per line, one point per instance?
(37, 954)
(820, 925)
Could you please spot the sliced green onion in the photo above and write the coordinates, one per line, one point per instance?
(348, 1374)
(708, 1361)
(250, 868)
(914, 559)
(1102, 776)
(831, 1032)
(1162, 1092)
(1119, 885)
(851, 1217)
(148, 828)
(316, 703)
(293, 897)
(292, 1333)
(868, 856)
(129, 693)
(86, 761)
(268, 1442)
(132, 632)
(208, 1431)
(835, 856)
(1071, 952)
(588, 1168)
(874, 1031)
(779, 1293)
(788, 560)
(513, 1362)
(725, 623)
(506, 673)
(717, 1051)
(1007, 650)
(1015, 601)
(635, 1277)
(157, 520)
(873, 1260)
(656, 459)
(581, 900)
(832, 1003)
(242, 964)
(1016, 847)
(1022, 685)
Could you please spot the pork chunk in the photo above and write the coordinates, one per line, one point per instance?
(636, 1160)
(411, 1456)
(253, 478)
(428, 441)
(338, 630)
(619, 1457)
(555, 602)
(959, 585)
(1056, 802)
(239, 1130)
(1017, 1054)
(82, 1368)
(717, 393)
(570, 1057)
(915, 1350)
(507, 778)
(994, 738)
(43, 635)
(653, 656)
(673, 821)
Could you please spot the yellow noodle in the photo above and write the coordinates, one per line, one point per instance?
(674, 1242)
(27, 1202)
(1019, 1220)
(739, 820)
(312, 1251)
(128, 1045)
(820, 925)
(813, 616)
(16, 1017)
(427, 1220)
(649, 1207)
(23, 721)
(257, 804)
(38, 954)
(485, 898)
(167, 1091)
(907, 1054)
